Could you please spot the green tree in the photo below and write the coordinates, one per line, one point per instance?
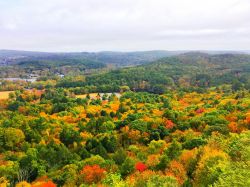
(127, 167)
(174, 150)
(13, 137)
(237, 175)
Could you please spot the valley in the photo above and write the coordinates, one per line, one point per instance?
(181, 120)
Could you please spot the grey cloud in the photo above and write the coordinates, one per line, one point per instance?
(92, 25)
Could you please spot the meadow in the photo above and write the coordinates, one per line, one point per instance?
(5, 94)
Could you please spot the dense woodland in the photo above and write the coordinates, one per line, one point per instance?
(184, 71)
(179, 121)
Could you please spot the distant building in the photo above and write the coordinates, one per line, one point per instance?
(60, 75)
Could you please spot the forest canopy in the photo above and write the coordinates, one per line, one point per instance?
(179, 121)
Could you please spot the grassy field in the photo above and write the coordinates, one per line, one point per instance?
(94, 95)
(5, 94)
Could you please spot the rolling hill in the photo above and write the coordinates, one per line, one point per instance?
(185, 70)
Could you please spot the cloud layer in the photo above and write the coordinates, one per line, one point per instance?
(94, 25)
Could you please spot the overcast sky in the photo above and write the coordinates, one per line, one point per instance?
(124, 25)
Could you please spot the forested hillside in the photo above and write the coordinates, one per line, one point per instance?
(191, 70)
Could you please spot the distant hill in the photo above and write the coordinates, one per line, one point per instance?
(118, 59)
(16, 53)
(129, 58)
(23, 63)
(193, 69)
(154, 67)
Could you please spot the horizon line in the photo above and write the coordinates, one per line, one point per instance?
(128, 51)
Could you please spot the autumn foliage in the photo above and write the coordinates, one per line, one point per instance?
(177, 170)
(92, 174)
(43, 182)
(169, 124)
(140, 139)
(140, 166)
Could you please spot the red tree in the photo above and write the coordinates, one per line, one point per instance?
(140, 166)
(43, 182)
(169, 124)
(92, 174)
(200, 111)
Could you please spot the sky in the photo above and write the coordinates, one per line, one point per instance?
(124, 25)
